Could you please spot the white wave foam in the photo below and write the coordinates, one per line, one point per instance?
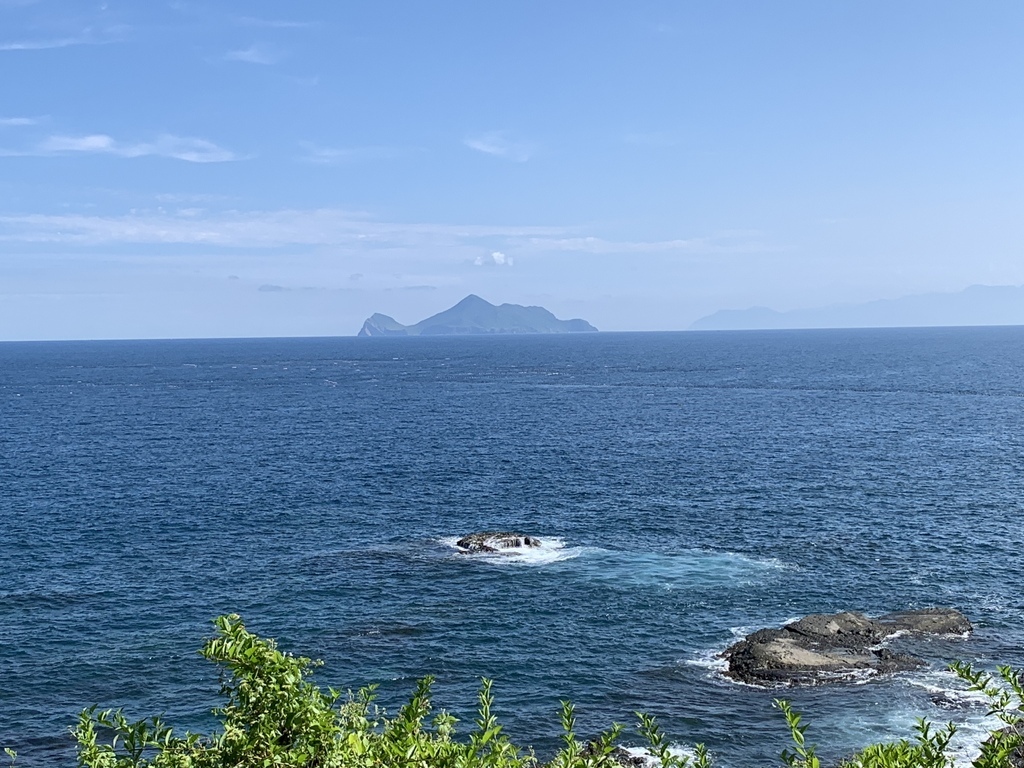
(740, 632)
(550, 550)
(944, 683)
(974, 722)
(709, 658)
(685, 569)
(953, 702)
(895, 635)
(676, 750)
(766, 563)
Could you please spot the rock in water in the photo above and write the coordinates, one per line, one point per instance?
(617, 758)
(933, 621)
(495, 541)
(824, 648)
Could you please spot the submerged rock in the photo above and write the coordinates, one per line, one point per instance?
(955, 701)
(495, 541)
(822, 648)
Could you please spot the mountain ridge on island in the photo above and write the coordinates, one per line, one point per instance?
(474, 316)
(975, 305)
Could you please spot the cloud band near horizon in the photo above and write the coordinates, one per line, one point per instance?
(337, 227)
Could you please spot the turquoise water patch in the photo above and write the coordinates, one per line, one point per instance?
(688, 569)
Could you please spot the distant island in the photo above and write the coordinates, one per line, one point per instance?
(474, 316)
(977, 305)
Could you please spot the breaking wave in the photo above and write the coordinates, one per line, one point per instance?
(549, 550)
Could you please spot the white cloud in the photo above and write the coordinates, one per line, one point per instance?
(252, 229)
(10, 122)
(729, 242)
(252, 21)
(255, 54)
(600, 245)
(497, 258)
(499, 144)
(93, 143)
(88, 36)
(342, 155)
(192, 198)
(186, 148)
(350, 231)
(39, 45)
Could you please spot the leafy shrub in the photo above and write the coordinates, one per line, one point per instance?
(274, 717)
(1003, 748)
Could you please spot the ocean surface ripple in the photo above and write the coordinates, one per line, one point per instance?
(689, 487)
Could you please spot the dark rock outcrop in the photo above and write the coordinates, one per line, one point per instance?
(824, 648)
(931, 621)
(617, 757)
(495, 541)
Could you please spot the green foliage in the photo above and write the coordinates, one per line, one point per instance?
(1005, 694)
(928, 750)
(274, 717)
(660, 749)
(802, 755)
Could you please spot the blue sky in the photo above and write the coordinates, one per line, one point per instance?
(275, 169)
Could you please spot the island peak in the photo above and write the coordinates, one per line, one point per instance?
(476, 316)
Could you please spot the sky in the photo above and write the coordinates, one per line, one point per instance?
(220, 169)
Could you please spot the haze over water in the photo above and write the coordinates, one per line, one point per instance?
(690, 487)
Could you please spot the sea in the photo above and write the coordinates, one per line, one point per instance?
(688, 488)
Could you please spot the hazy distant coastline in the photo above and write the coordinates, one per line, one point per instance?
(976, 305)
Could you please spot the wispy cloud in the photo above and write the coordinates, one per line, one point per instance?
(186, 148)
(253, 21)
(726, 242)
(43, 44)
(255, 54)
(11, 122)
(501, 144)
(344, 155)
(473, 245)
(254, 229)
(600, 245)
(192, 198)
(88, 36)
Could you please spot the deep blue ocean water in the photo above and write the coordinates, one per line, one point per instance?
(693, 486)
